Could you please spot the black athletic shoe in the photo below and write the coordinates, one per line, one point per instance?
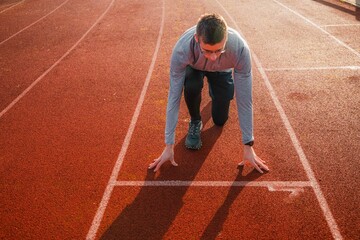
(193, 139)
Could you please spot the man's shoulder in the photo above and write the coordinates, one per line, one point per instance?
(232, 30)
(235, 41)
(186, 39)
(188, 32)
(234, 35)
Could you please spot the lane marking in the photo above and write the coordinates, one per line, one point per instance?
(112, 181)
(313, 68)
(271, 185)
(14, 5)
(55, 64)
(318, 27)
(33, 23)
(294, 191)
(309, 172)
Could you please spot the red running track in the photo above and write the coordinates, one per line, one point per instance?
(74, 154)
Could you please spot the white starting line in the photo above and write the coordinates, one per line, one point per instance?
(271, 185)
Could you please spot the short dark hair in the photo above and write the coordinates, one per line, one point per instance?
(211, 28)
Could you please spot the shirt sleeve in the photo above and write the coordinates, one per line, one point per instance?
(243, 91)
(177, 77)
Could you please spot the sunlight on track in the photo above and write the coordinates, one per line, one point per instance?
(318, 27)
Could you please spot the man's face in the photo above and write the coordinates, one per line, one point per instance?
(211, 52)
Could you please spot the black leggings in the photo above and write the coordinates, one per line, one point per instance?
(221, 90)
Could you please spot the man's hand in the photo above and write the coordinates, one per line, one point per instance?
(251, 157)
(167, 154)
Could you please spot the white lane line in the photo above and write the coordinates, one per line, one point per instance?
(318, 27)
(54, 65)
(313, 68)
(33, 23)
(271, 185)
(309, 172)
(13, 5)
(112, 181)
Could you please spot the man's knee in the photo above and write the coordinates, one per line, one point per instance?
(220, 121)
(220, 112)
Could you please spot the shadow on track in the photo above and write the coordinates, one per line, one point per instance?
(215, 226)
(154, 209)
(150, 215)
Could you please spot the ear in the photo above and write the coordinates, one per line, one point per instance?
(196, 38)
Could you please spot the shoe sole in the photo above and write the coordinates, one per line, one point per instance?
(194, 148)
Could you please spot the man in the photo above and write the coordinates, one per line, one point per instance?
(214, 50)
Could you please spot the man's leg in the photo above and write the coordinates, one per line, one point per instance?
(192, 92)
(221, 88)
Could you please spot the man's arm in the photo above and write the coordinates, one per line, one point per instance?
(179, 61)
(243, 89)
(172, 114)
(243, 93)
(177, 77)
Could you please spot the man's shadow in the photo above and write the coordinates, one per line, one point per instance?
(214, 228)
(154, 209)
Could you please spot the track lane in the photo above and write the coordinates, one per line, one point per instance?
(332, 116)
(112, 181)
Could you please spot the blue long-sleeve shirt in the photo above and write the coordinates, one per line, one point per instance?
(236, 57)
